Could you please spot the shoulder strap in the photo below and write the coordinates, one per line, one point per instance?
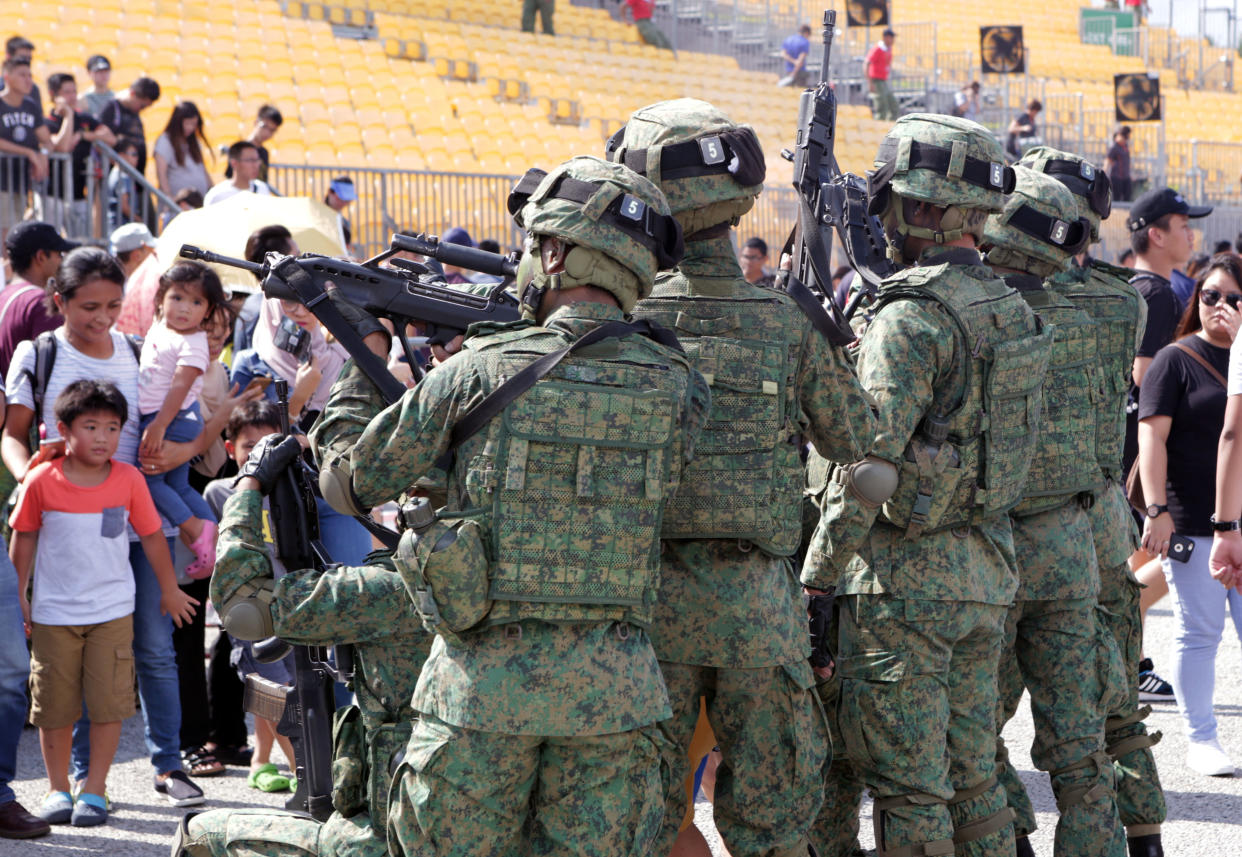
(497, 400)
(45, 358)
(1206, 365)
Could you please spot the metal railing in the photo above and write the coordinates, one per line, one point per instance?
(114, 176)
(50, 198)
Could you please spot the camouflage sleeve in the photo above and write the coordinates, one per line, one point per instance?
(900, 360)
(386, 451)
(343, 605)
(838, 413)
(241, 554)
(1141, 322)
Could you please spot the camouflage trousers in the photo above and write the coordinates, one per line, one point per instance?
(465, 792)
(835, 831)
(1062, 654)
(1140, 797)
(773, 743)
(272, 833)
(918, 718)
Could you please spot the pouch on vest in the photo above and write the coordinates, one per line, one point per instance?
(445, 571)
(348, 762)
(384, 743)
(929, 480)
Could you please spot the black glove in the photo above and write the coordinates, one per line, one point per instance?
(747, 164)
(358, 318)
(269, 458)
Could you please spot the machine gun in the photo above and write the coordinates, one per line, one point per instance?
(408, 292)
(303, 711)
(829, 200)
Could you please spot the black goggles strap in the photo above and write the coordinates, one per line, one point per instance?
(1068, 235)
(991, 175)
(1084, 180)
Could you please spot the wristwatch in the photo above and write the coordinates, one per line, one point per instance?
(1224, 526)
(1155, 511)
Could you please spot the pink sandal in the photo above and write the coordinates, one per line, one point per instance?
(204, 548)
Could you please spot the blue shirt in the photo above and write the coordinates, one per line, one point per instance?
(796, 46)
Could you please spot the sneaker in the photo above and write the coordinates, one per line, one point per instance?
(56, 808)
(179, 789)
(90, 811)
(1207, 758)
(17, 823)
(1151, 687)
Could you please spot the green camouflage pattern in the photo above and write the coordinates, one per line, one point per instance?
(1056, 651)
(918, 716)
(697, 201)
(1037, 159)
(585, 668)
(1056, 556)
(773, 379)
(581, 225)
(366, 606)
(464, 793)
(445, 574)
(773, 744)
(970, 138)
(980, 469)
(1010, 246)
(912, 360)
(1064, 465)
(1104, 291)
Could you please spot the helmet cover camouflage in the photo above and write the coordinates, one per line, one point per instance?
(603, 254)
(1089, 184)
(961, 140)
(715, 182)
(1039, 229)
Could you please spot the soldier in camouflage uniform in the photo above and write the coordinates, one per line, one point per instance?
(367, 606)
(1055, 645)
(926, 569)
(730, 625)
(539, 700)
(1104, 291)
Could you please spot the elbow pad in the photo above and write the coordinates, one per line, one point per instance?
(871, 480)
(247, 614)
(336, 485)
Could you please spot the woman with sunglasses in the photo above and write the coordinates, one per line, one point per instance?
(1181, 412)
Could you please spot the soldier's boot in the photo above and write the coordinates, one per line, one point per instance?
(1089, 822)
(1146, 846)
(1140, 797)
(982, 823)
(1015, 792)
(184, 843)
(1022, 847)
(912, 826)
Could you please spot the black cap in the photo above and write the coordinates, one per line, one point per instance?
(1155, 204)
(30, 236)
(98, 62)
(888, 31)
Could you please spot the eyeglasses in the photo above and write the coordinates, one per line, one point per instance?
(1211, 297)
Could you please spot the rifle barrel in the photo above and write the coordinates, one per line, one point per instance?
(830, 27)
(189, 251)
(456, 255)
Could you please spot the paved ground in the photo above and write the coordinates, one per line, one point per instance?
(1205, 813)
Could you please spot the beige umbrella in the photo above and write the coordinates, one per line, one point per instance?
(224, 227)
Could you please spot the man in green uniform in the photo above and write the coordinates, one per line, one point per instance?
(545, 8)
(1055, 646)
(539, 701)
(926, 567)
(1104, 291)
(730, 625)
(367, 606)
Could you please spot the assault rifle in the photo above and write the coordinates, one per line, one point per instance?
(302, 711)
(829, 200)
(408, 292)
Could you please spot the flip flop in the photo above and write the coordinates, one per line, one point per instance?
(266, 778)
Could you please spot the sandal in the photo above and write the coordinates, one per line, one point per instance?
(266, 778)
(202, 762)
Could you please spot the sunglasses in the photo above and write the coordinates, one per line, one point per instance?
(1211, 297)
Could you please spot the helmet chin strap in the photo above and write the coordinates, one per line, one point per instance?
(937, 236)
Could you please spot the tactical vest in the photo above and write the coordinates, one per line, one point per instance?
(570, 479)
(1103, 291)
(968, 461)
(1064, 464)
(745, 481)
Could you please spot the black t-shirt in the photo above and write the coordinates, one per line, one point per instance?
(18, 125)
(1119, 156)
(126, 125)
(1027, 124)
(1164, 311)
(1177, 386)
(81, 152)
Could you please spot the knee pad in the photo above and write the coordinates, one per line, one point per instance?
(871, 480)
(935, 848)
(247, 614)
(1136, 740)
(1069, 796)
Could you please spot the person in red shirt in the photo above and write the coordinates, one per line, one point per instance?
(35, 249)
(640, 11)
(879, 64)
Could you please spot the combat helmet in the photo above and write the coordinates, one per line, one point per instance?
(1039, 229)
(617, 223)
(710, 168)
(1089, 184)
(945, 161)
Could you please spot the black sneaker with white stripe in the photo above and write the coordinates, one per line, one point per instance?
(179, 789)
(1151, 687)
